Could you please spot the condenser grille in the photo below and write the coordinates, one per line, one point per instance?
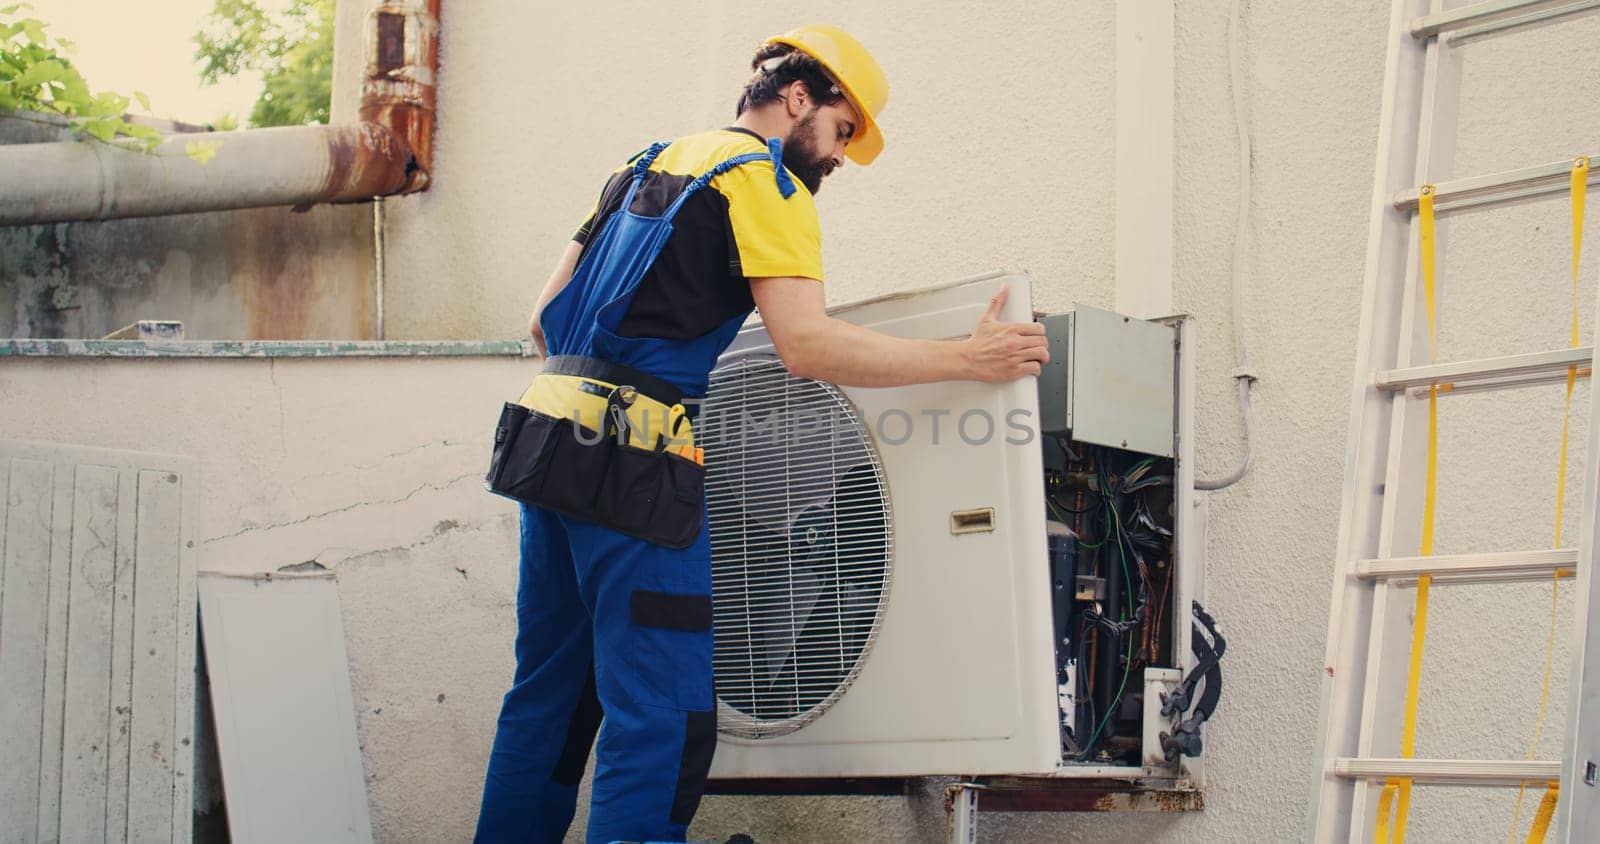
(801, 539)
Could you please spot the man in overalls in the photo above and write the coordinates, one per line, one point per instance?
(614, 601)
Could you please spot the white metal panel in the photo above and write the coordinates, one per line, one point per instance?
(968, 616)
(55, 649)
(1121, 391)
(121, 686)
(86, 748)
(82, 527)
(155, 669)
(23, 622)
(285, 713)
(1192, 519)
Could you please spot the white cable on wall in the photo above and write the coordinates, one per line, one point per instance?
(1242, 372)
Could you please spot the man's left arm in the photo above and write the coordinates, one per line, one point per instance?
(558, 279)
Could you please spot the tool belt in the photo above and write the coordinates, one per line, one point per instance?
(604, 443)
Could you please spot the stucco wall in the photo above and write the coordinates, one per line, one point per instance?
(1000, 154)
(999, 133)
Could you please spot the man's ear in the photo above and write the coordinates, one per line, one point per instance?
(796, 96)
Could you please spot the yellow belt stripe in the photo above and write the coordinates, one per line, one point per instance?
(564, 397)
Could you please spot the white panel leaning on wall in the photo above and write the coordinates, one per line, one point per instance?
(97, 643)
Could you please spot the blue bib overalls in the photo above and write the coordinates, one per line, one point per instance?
(607, 623)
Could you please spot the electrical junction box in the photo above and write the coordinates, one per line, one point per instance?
(1110, 380)
(955, 578)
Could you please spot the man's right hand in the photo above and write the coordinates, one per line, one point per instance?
(1003, 351)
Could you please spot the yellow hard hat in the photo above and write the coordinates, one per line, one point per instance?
(857, 73)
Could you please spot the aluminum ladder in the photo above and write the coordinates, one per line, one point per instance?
(1370, 627)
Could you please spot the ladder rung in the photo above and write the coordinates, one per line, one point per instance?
(1488, 14)
(1541, 16)
(1449, 771)
(1510, 185)
(1501, 567)
(1510, 371)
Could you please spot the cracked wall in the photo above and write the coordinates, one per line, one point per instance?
(371, 468)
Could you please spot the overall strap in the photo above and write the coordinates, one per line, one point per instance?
(643, 160)
(705, 178)
(641, 165)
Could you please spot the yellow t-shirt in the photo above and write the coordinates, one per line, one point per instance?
(739, 227)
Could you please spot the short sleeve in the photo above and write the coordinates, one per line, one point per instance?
(603, 201)
(587, 227)
(774, 236)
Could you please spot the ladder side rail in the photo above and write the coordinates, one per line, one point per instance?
(1386, 259)
(1578, 808)
(1399, 532)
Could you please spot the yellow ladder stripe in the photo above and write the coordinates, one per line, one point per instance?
(1547, 810)
(1580, 190)
(1396, 796)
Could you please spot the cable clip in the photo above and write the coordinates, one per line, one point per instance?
(1244, 372)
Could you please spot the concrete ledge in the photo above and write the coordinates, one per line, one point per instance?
(142, 349)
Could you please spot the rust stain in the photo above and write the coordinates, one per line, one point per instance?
(1178, 801)
(400, 92)
(365, 159)
(1049, 794)
(272, 271)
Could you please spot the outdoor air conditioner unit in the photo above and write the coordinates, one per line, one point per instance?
(889, 598)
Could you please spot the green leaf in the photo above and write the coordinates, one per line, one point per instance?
(45, 71)
(33, 28)
(75, 91)
(144, 100)
(107, 104)
(12, 9)
(67, 45)
(202, 151)
(104, 129)
(141, 132)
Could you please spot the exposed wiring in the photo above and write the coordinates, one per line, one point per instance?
(1242, 372)
(1127, 667)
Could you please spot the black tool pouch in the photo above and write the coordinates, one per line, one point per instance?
(556, 464)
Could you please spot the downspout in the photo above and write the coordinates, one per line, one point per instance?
(378, 270)
(387, 151)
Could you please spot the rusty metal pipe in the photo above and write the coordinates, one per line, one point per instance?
(400, 89)
(388, 151)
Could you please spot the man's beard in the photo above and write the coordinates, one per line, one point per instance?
(801, 157)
